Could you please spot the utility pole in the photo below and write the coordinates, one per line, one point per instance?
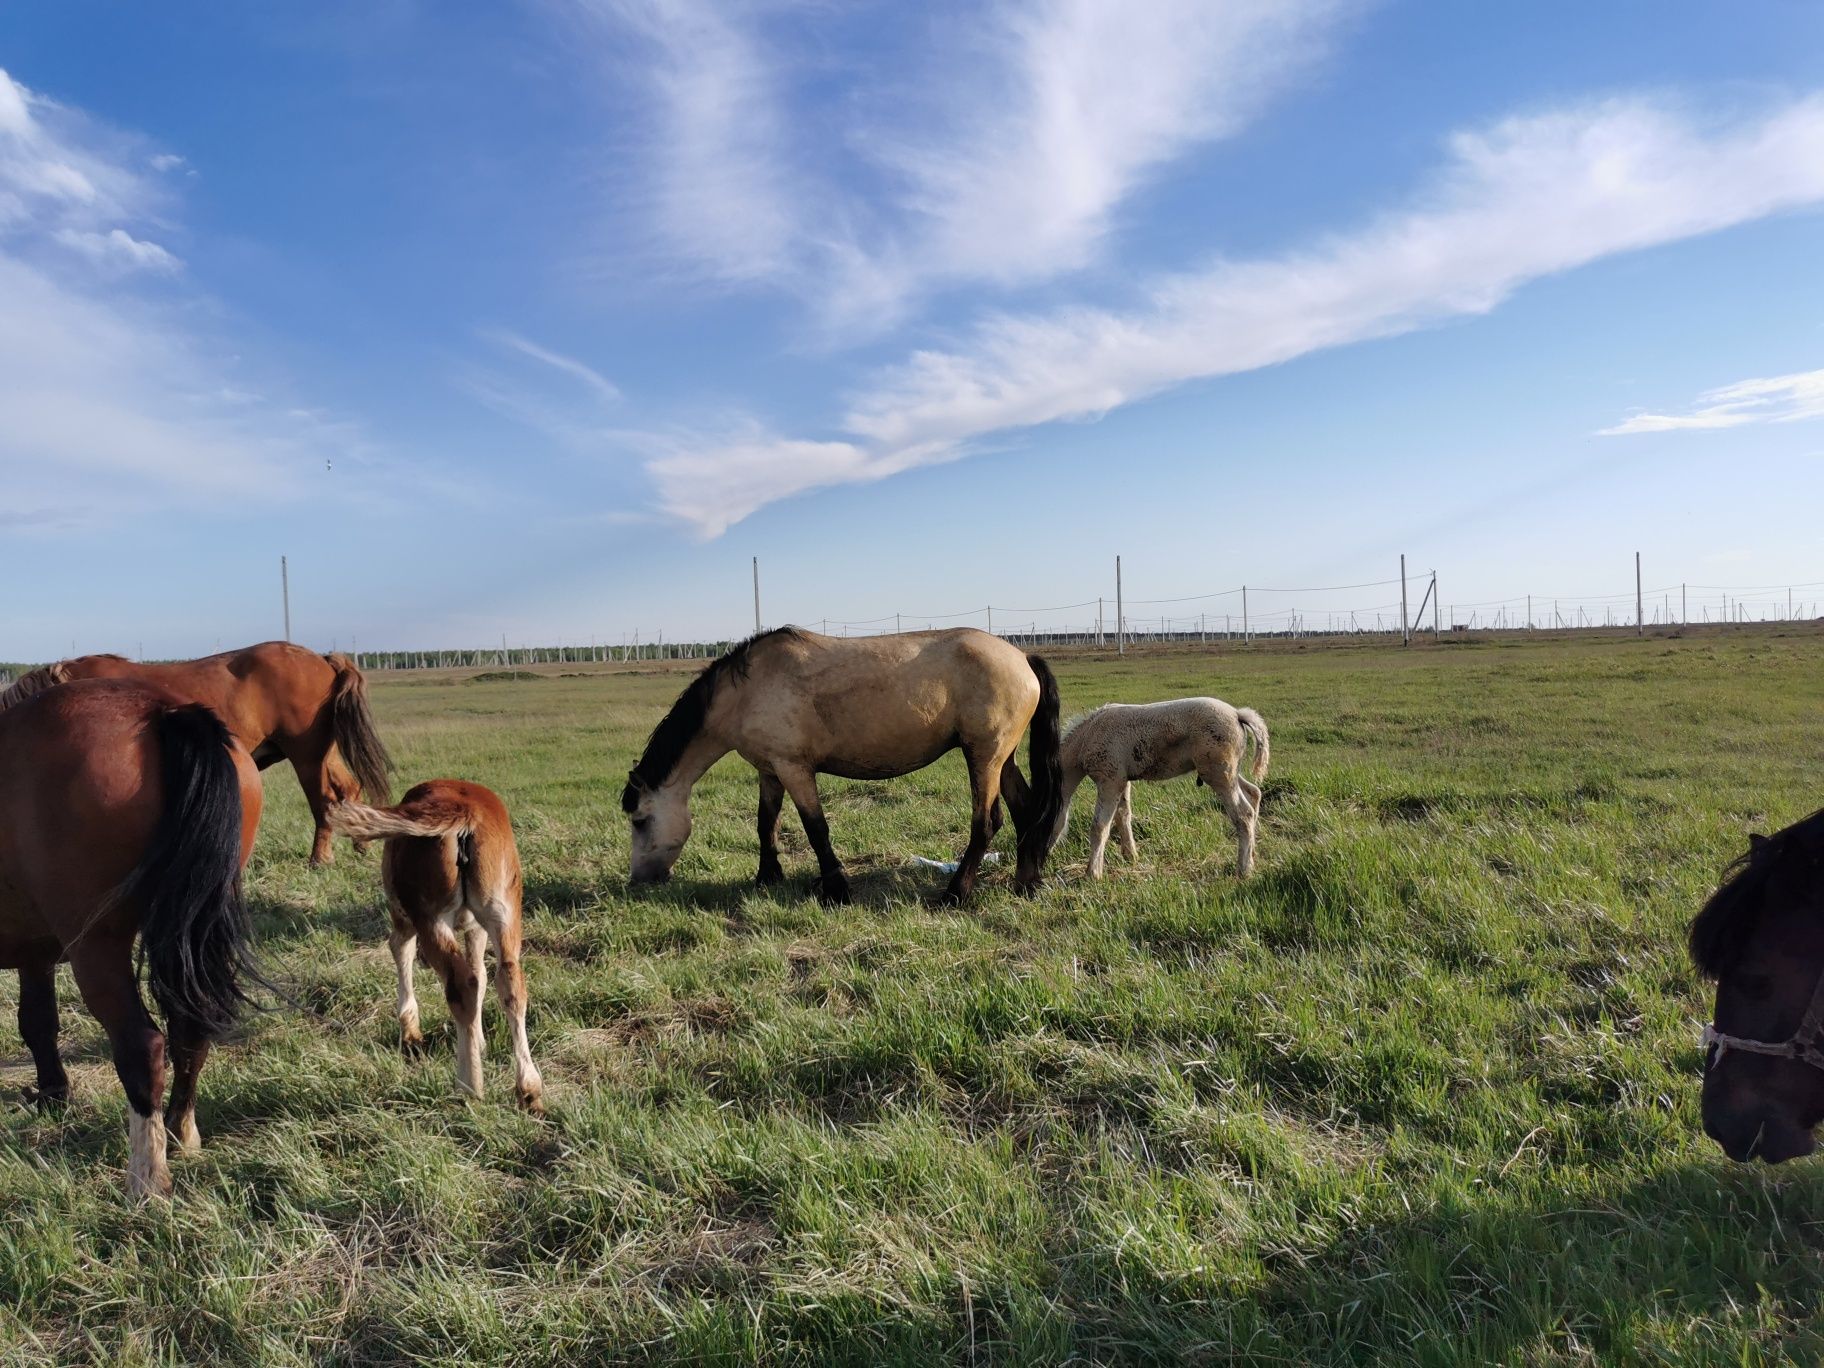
(1683, 610)
(1437, 609)
(991, 619)
(1640, 610)
(1405, 627)
(1245, 637)
(1120, 613)
(285, 593)
(756, 596)
(1098, 622)
(1529, 612)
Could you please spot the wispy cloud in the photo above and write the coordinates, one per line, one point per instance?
(1775, 399)
(1525, 198)
(117, 249)
(1013, 142)
(603, 388)
(717, 180)
(112, 398)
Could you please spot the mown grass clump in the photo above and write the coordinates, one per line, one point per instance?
(1423, 1090)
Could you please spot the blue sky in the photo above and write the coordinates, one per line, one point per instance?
(541, 318)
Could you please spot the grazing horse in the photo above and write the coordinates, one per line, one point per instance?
(1761, 937)
(451, 871)
(126, 811)
(283, 703)
(1121, 742)
(794, 705)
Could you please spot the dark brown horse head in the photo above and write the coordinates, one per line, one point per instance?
(1761, 937)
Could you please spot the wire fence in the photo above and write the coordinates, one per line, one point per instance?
(1397, 609)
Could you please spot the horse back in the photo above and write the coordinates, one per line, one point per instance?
(272, 689)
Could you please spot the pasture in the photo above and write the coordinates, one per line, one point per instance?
(1422, 1090)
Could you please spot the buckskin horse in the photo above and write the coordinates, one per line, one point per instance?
(1761, 937)
(127, 812)
(795, 704)
(283, 703)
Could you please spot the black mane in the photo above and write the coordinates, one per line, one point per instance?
(679, 727)
(1729, 919)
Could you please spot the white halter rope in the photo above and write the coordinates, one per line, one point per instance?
(1803, 1044)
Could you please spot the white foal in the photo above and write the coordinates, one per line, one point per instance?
(1121, 742)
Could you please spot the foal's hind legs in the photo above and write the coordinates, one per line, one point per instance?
(1124, 822)
(403, 941)
(510, 985)
(449, 958)
(38, 1028)
(1108, 798)
(832, 883)
(104, 974)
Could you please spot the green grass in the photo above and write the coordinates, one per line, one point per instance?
(1422, 1091)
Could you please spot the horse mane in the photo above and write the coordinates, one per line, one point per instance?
(32, 683)
(679, 727)
(1729, 919)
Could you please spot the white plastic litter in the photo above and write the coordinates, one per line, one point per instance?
(949, 866)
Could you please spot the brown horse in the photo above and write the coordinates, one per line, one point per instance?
(281, 701)
(1761, 937)
(126, 811)
(794, 705)
(452, 869)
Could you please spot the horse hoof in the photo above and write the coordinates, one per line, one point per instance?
(532, 1104)
(44, 1101)
(413, 1047)
(832, 890)
(769, 876)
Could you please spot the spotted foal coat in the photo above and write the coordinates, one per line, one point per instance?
(1122, 742)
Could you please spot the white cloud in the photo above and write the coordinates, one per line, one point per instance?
(603, 388)
(118, 249)
(1009, 148)
(165, 161)
(1776, 399)
(112, 401)
(1079, 102)
(1526, 198)
(717, 187)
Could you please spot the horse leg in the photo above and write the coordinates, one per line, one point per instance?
(832, 883)
(189, 1049)
(38, 1028)
(1124, 822)
(1231, 791)
(772, 798)
(985, 794)
(1108, 797)
(510, 986)
(403, 941)
(476, 938)
(104, 975)
(450, 961)
(313, 778)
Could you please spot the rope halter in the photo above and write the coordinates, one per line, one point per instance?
(1805, 1044)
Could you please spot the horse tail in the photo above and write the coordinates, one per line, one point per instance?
(419, 817)
(34, 682)
(356, 737)
(1045, 759)
(195, 939)
(1256, 726)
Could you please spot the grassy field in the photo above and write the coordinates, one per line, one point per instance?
(1422, 1091)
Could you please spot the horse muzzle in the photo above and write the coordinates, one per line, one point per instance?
(1770, 1138)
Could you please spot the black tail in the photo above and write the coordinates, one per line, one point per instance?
(356, 737)
(195, 942)
(1045, 760)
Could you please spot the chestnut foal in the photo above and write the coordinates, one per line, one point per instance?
(453, 887)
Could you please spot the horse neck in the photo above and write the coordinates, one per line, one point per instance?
(704, 750)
